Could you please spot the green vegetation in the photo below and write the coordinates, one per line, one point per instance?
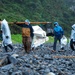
(16, 38)
(51, 39)
(38, 10)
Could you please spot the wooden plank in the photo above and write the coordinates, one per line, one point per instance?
(64, 56)
(30, 22)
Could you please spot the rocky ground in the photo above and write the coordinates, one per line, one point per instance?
(40, 61)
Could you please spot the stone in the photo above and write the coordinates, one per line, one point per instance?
(15, 55)
(50, 73)
(7, 67)
(13, 59)
(47, 70)
(17, 73)
(38, 62)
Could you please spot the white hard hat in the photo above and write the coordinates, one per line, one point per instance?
(27, 21)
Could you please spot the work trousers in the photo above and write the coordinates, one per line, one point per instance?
(27, 44)
(55, 42)
(10, 46)
(72, 44)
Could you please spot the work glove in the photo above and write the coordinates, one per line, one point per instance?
(7, 37)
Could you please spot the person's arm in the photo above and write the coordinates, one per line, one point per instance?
(31, 31)
(21, 25)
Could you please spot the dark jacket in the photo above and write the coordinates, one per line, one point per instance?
(28, 26)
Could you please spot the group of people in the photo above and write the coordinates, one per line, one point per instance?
(28, 34)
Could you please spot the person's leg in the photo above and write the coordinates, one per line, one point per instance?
(55, 42)
(5, 47)
(11, 46)
(28, 44)
(59, 41)
(24, 43)
(71, 44)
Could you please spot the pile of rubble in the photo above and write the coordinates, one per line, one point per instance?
(40, 61)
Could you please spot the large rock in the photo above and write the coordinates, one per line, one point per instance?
(7, 67)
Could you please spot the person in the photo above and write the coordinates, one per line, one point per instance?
(6, 35)
(27, 35)
(58, 33)
(72, 38)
